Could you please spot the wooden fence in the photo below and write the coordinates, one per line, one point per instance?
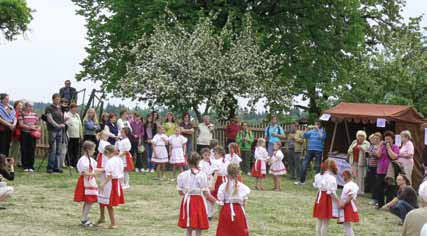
(219, 134)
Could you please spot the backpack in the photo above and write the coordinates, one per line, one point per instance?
(268, 131)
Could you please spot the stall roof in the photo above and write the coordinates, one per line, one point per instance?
(364, 111)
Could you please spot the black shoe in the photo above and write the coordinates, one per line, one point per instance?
(2, 208)
(49, 171)
(58, 171)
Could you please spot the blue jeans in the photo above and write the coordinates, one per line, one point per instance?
(55, 139)
(189, 146)
(149, 152)
(307, 159)
(401, 209)
(270, 149)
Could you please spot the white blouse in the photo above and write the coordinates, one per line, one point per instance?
(123, 145)
(114, 167)
(326, 182)
(261, 153)
(159, 139)
(277, 156)
(192, 181)
(177, 141)
(349, 188)
(221, 165)
(230, 196)
(233, 159)
(83, 164)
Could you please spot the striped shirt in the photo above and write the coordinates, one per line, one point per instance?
(29, 119)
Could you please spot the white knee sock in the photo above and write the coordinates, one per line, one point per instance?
(318, 227)
(126, 179)
(348, 229)
(86, 209)
(324, 228)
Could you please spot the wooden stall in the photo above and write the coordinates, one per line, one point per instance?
(347, 118)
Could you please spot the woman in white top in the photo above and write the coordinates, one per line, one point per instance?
(406, 154)
(74, 133)
(277, 168)
(232, 196)
(177, 150)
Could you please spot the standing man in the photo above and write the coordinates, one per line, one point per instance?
(293, 159)
(55, 126)
(244, 139)
(231, 130)
(315, 137)
(205, 136)
(273, 133)
(68, 92)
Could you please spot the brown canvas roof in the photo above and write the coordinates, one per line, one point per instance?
(364, 111)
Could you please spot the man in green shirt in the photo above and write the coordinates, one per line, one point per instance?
(244, 139)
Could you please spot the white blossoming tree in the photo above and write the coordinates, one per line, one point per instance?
(202, 69)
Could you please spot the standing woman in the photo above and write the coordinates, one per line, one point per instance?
(75, 133)
(357, 160)
(406, 154)
(16, 134)
(371, 174)
(150, 129)
(137, 140)
(105, 118)
(112, 129)
(8, 123)
(90, 126)
(169, 125)
(29, 124)
(187, 131)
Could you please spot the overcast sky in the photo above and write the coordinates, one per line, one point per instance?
(34, 67)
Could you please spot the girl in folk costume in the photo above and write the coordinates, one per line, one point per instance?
(232, 196)
(193, 186)
(326, 203)
(124, 146)
(160, 153)
(101, 162)
(177, 149)
(110, 191)
(86, 189)
(348, 210)
(212, 145)
(234, 156)
(277, 168)
(220, 169)
(206, 166)
(259, 169)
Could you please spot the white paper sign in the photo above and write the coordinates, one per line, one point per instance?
(425, 136)
(398, 140)
(325, 117)
(381, 122)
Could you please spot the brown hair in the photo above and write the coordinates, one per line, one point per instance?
(109, 149)
(213, 143)
(332, 166)
(347, 173)
(220, 150)
(73, 105)
(3, 162)
(205, 150)
(389, 134)
(193, 159)
(87, 146)
(111, 115)
(406, 179)
(126, 130)
(234, 149)
(233, 170)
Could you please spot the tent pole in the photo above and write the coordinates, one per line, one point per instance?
(347, 133)
(333, 137)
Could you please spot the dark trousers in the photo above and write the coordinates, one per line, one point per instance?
(245, 165)
(5, 139)
(28, 149)
(370, 180)
(137, 155)
(149, 155)
(401, 209)
(73, 151)
(311, 154)
(292, 163)
(55, 140)
(382, 190)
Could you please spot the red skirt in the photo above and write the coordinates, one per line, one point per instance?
(227, 227)
(116, 197)
(79, 192)
(218, 182)
(129, 162)
(99, 160)
(198, 214)
(323, 207)
(349, 214)
(256, 170)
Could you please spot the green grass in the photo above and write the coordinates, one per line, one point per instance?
(42, 205)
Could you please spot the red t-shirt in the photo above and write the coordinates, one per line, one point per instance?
(232, 130)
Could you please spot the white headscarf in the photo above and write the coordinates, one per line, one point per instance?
(422, 191)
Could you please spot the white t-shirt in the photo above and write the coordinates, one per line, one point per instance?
(205, 134)
(123, 123)
(123, 145)
(114, 167)
(261, 153)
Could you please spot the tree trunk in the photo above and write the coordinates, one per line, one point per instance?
(198, 114)
(313, 108)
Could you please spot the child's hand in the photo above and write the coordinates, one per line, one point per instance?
(101, 188)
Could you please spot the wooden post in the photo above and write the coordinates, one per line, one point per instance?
(333, 137)
(347, 133)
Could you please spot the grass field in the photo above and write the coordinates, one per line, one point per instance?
(42, 205)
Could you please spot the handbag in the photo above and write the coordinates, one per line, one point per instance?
(36, 134)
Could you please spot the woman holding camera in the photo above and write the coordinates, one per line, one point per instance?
(387, 152)
(8, 172)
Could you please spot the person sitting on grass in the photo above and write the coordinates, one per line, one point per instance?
(7, 171)
(406, 199)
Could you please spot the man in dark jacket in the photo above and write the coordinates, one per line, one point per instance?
(68, 92)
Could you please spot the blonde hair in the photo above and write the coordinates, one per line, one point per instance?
(260, 142)
(109, 149)
(233, 170)
(406, 133)
(95, 117)
(361, 133)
